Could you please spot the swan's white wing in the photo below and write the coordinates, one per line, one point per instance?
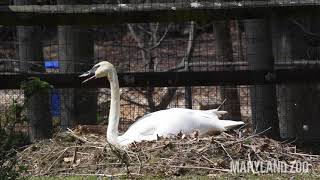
(142, 129)
(145, 126)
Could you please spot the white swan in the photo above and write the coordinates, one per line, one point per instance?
(160, 123)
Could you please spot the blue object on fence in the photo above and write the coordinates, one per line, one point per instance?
(55, 95)
(51, 64)
(55, 102)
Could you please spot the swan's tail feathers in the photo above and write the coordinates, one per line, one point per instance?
(217, 112)
(220, 113)
(229, 124)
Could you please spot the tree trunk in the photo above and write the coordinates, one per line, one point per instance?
(76, 52)
(31, 59)
(263, 97)
(224, 53)
(188, 97)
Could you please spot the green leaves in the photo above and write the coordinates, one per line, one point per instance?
(35, 85)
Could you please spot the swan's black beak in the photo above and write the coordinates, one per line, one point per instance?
(89, 74)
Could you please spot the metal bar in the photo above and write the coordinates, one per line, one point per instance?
(104, 14)
(212, 63)
(171, 79)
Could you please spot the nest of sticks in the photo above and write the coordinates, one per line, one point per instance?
(76, 153)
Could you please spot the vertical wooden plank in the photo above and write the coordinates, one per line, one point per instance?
(260, 57)
(31, 59)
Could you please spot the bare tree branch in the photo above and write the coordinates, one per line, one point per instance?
(135, 36)
(167, 98)
(149, 96)
(157, 27)
(304, 29)
(144, 30)
(161, 39)
(127, 99)
(185, 62)
(191, 43)
(151, 61)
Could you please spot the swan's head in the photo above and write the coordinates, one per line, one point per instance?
(102, 69)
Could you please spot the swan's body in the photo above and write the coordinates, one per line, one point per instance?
(175, 120)
(161, 123)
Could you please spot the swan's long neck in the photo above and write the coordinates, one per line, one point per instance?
(112, 131)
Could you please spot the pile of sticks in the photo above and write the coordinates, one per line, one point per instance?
(76, 153)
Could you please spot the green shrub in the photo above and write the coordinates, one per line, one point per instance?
(35, 85)
(8, 161)
(10, 140)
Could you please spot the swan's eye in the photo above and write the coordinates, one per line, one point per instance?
(101, 72)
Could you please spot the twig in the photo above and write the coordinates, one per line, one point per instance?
(200, 167)
(101, 175)
(157, 147)
(308, 155)
(41, 159)
(227, 134)
(138, 157)
(72, 133)
(285, 154)
(75, 155)
(88, 146)
(207, 159)
(241, 127)
(63, 151)
(249, 137)
(224, 150)
(78, 137)
(221, 103)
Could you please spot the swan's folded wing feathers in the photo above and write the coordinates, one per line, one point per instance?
(228, 124)
(143, 126)
(216, 112)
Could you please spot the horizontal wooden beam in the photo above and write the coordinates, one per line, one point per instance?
(104, 14)
(171, 79)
